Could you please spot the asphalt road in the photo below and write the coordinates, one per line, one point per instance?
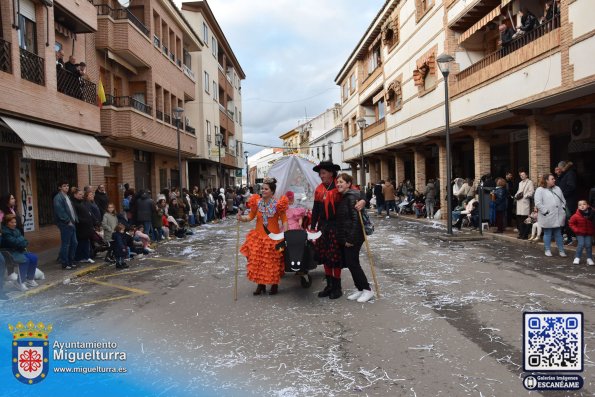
(448, 323)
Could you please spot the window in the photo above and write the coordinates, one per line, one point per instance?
(394, 96)
(240, 118)
(207, 82)
(214, 46)
(346, 131)
(318, 153)
(380, 110)
(421, 8)
(345, 91)
(209, 139)
(205, 33)
(215, 90)
(57, 46)
(27, 36)
(236, 112)
(352, 83)
(390, 32)
(353, 126)
(52, 172)
(374, 60)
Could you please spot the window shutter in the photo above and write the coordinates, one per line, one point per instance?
(27, 9)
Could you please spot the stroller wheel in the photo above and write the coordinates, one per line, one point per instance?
(306, 281)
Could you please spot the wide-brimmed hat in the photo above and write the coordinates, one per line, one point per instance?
(327, 165)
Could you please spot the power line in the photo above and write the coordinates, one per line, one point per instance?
(292, 101)
(282, 147)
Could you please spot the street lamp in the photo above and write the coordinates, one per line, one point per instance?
(178, 115)
(444, 61)
(247, 175)
(219, 139)
(330, 150)
(361, 122)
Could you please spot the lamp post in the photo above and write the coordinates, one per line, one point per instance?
(330, 150)
(219, 139)
(247, 174)
(361, 122)
(178, 115)
(444, 61)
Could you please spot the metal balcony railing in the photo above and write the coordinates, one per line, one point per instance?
(159, 115)
(164, 49)
(511, 47)
(122, 13)
(167, 118)
(76, 86)
(32, 67)
(156, 41)
(5, 58)
(127, 101)
(190, 130)
(172, 56)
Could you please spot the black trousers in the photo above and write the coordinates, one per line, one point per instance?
(350, 260)
(522, 227)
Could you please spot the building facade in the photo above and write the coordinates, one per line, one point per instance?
(261, 162)
(219, 160)
(142, 52)
(326, 136)
(526, 105)
(49, 118)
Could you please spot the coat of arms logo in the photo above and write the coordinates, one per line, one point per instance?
(30, 351)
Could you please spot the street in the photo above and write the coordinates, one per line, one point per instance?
(448, 323)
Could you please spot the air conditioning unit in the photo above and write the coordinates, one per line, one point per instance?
(581, 128)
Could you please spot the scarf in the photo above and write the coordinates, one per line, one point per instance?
(267, 209)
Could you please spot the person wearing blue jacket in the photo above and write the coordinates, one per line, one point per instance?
(14, 242)
(65, 218)
(120, 247)
(501, 203)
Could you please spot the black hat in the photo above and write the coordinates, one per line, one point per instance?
(327, 165)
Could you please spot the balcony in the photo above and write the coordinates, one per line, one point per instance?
(77, 16)
(167, 118)
(190, 130)
(127, 102)
(374, 128)
(120, 14)
(5, 58)
(76, 87)
(188, 72)
(32, 67)
(156, 41)
(159, 115)
(522, 49)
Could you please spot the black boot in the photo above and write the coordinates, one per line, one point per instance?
(459, 223)
(327, 290)
(274, 289)
(260, 289)
(336, 291)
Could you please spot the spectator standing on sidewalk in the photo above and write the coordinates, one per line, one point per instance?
(582, 225)
(568, 183)
(66, 219)
(430, 194)
(379, 197)
(144, 210)
(389, 198)
(510, 200)
(101, 199)
(500, 199)
(550, 203)
(523, 197)
(85, 228)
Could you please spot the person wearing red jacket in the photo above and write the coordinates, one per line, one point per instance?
(581, 224)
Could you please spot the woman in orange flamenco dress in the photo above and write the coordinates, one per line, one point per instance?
(265, 263)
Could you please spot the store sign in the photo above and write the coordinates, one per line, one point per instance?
(25, 196)
(239, 173)
(215, 152)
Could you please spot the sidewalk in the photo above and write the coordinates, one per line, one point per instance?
(509, 234)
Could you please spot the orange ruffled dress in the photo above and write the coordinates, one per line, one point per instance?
(265, 263)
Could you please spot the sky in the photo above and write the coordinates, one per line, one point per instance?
(291, 52)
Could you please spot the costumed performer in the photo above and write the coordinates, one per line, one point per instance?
(265, 263)
(295, 214)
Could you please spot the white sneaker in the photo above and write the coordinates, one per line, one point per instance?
(150, 250)
(548, 253)
(31, 284)
(365, 296)
(355, 295)
(576, 261)
(388, 217)
(89, 261)
(20, 286)
(563, 254)
(590, 262)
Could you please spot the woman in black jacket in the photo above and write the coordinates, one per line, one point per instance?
(85, 228)
(351, 237)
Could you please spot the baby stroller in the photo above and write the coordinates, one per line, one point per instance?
(98, 244)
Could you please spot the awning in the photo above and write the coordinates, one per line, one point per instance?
(42, 142)
(495, 13)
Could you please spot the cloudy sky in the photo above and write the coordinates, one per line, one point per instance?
(291, 52)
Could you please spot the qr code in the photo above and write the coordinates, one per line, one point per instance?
(553, 341)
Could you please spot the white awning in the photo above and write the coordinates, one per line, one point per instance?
(42, 142)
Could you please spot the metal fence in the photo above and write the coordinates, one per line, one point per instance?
(32, 67)
(127, 101)
(76, 86)
(5, 58)
(122, 13)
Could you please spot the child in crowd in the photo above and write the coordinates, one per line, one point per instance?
(474, 215)
(120, 247)
(536, 228)
(139, 235)
(581, 224)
